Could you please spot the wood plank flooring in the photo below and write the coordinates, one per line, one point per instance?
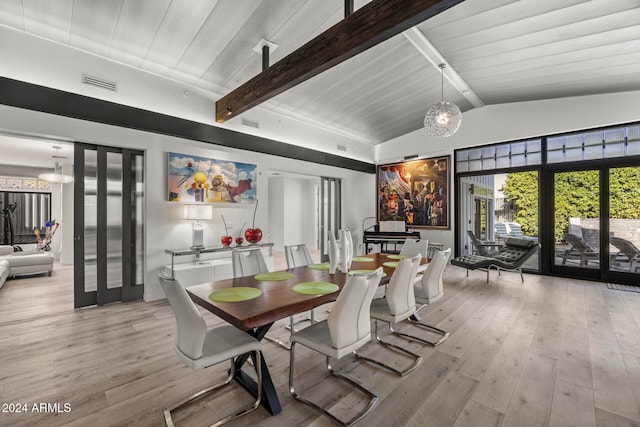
(546, 352)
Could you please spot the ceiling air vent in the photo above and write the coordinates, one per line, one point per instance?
(98, 82)
(249, 123)
(342, 147)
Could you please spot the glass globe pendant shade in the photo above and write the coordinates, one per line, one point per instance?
(443, 119)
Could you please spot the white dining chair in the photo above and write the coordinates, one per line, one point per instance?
(340, 251)
(347, 249)
(296, 256)
(397, 305)
(335, 253)
(248, 262)
(413, 247)
(347, 328)
(428, 289)
(199, 347)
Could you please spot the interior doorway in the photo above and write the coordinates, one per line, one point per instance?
(294, 209)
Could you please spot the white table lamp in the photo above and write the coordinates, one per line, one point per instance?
(197, 212)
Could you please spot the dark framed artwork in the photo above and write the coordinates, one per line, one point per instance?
(416, 192)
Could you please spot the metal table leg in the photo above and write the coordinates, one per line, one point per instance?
(269, 395)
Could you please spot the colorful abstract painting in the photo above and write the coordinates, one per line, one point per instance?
(198, 179)
(415, 192)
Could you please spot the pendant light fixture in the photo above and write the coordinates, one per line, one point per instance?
(443, 119)
(57, 177)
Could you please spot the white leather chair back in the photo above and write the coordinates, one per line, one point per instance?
(248, 262)
(191, 328)
(297, 255)
(399, 294)
(349, 320)
(346, 250)
(432, 279)
(413, 247)
(334, 252)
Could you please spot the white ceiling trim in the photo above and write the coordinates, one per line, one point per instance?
(429, 51)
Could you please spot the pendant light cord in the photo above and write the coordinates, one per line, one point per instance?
(442, 80)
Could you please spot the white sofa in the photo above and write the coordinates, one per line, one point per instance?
(4, 271)
(27, 262)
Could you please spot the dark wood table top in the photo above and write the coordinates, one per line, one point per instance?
(278, 300)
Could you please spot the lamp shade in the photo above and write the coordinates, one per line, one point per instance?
(197, 212)
(57, 176)
(443, 119)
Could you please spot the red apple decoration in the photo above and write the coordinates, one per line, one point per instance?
(226, 240)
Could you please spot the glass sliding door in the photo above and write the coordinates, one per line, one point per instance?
(624, 222)
(496, 207)
(330, 212)
(108, 225)
(577, 221)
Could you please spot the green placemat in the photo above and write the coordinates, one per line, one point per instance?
(315, 288)
(323, 266)
(392, 264)
(235, 294)
(397, 256)
(352, 272)
(274, 276)
(362, 259)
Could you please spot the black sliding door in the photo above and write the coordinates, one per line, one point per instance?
(108, 225)
(330, 212)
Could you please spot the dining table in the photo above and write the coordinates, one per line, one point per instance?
(275, 296)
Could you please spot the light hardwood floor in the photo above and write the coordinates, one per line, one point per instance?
(548, 351)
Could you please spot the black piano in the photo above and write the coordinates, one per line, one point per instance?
(385, 238)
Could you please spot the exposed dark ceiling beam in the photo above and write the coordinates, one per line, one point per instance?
(368, 26)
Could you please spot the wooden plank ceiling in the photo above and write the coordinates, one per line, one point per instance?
(498, 50)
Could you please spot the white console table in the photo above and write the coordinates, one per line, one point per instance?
(194, 273)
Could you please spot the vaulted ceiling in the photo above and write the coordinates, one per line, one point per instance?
(497, 51)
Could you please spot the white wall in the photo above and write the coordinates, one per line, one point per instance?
(164, 226)
(508, 122)
(23, 57)
(276, 211)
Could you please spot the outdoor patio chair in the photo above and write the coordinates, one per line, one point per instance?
(628, 253)
(580, 250)
(515, 230)
(482, 247)
(510, 257)
(502, 232)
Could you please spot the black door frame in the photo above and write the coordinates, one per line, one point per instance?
(130, 290)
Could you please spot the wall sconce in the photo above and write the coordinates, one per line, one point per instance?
(197, 212)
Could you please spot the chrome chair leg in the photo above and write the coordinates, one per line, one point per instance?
(201, 394)
(430, 328)
(416, 362)
(291, 327)
(373, 399)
